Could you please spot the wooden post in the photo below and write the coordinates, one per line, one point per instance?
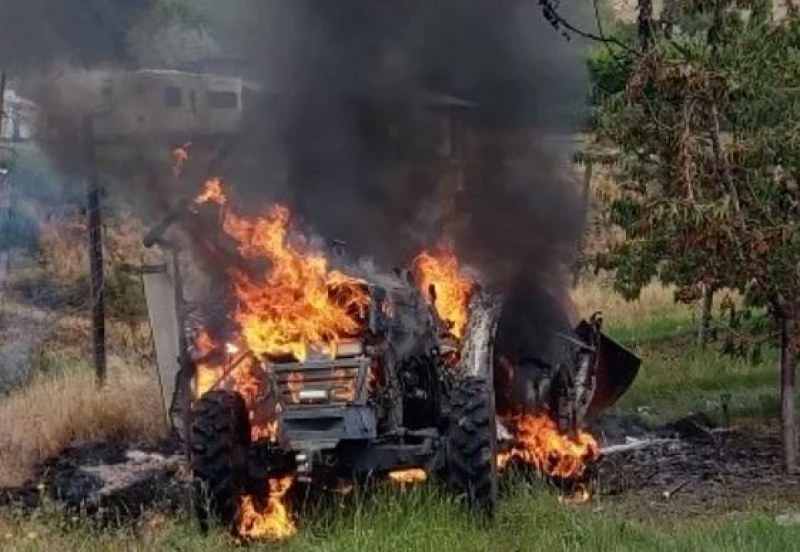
(94, 227)
(788, 407)
(5, 195)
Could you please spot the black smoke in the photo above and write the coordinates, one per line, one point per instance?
(335, 77)
(508, 200)
(338, 74)
(36, 33)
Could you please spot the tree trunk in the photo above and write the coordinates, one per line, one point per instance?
(706, 303)
(788, 407)
(645, 24)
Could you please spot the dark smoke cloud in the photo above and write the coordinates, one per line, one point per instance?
(39, 32)
(519, 215)
(337, 75)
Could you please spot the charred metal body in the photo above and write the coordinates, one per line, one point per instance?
(393, 398)
(370, 405)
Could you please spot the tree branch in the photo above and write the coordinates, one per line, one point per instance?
(557, 20)
(721, 159)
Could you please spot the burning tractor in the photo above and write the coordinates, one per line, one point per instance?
(321, 375)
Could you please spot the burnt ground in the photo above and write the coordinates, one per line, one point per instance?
(704, 470)
(694, 470)
(110, 480)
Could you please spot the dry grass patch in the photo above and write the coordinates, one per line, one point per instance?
(655, 301)
(39, 421)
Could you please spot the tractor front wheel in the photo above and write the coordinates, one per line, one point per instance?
(220, 440)
(470, 464)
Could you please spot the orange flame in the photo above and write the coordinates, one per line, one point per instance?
(212, 193)
(413, 475)
(180, 155)
(271, 522)
(580, 495)
(299, 302)
(453, 289)
(541, 445)
(297, 305)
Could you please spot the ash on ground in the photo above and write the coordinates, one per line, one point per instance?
(691, 467)
(685, 468)
(109, 480)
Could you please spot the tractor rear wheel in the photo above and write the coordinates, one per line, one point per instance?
(220, 440)
(470, 466)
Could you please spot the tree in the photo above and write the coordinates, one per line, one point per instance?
(170, 33)
(710, 157)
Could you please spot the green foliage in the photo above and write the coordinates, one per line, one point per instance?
(608, 69)
(19, 229)
(710, 157)
(125, 296)
(171, 32)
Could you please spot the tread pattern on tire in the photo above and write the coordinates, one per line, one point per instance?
(219, 441)
(472, 444)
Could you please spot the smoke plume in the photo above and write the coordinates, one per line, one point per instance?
(354, 68)
(386, 125)
(504, 195)
(332, 131)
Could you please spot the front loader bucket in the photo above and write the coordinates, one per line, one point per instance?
(615, 369)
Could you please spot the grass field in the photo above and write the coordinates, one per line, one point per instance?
(531, 518)
(676, 378)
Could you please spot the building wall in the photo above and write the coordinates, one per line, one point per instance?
(147, 103)
(21, 118)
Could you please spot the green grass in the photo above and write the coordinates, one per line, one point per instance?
(657, 330)
(531, 518)
(677, 377)
(675, 381)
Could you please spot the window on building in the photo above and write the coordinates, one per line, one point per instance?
(223, 100)
(173, 97)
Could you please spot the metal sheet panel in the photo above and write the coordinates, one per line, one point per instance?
(161, 308)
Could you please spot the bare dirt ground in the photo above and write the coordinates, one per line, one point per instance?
(703, 473)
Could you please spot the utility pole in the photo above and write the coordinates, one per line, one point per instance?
(94, 227)
(5, 190)
(2, 99)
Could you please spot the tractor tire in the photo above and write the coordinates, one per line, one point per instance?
(220, 439)
(470, 463)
